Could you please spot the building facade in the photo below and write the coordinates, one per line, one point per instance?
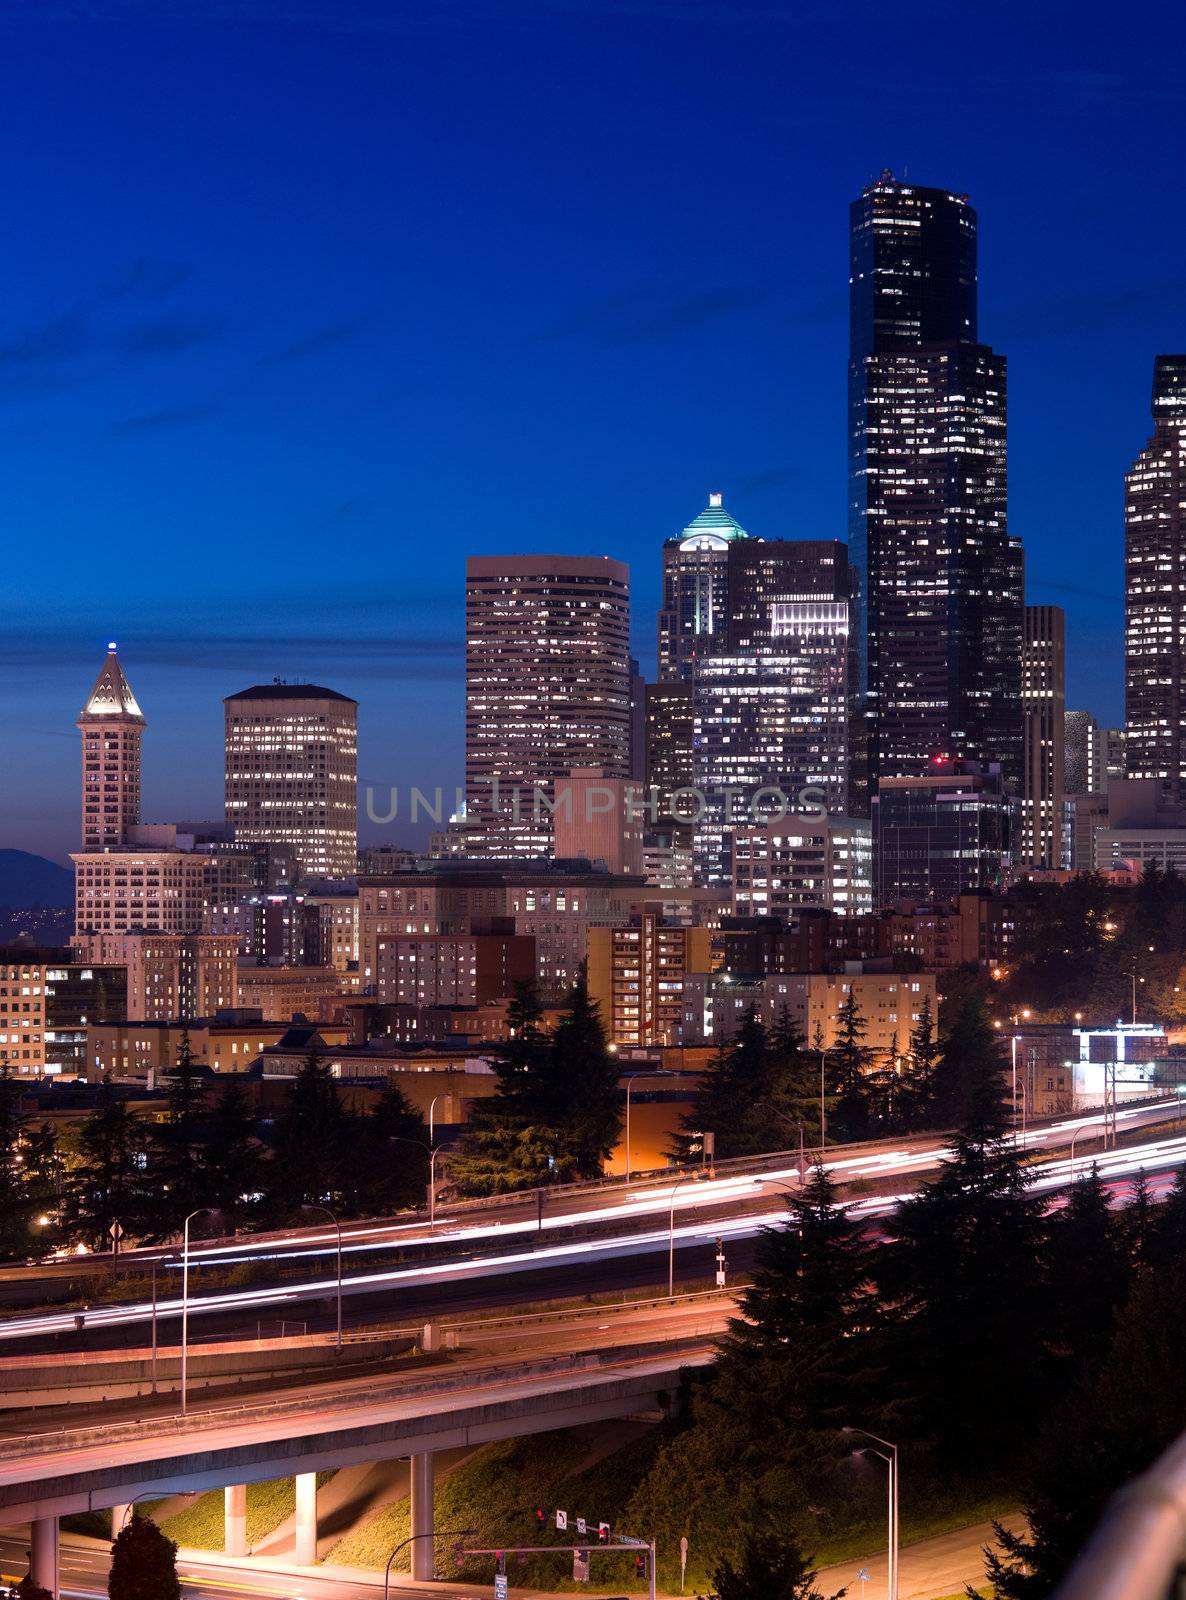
(694, 618)
(890, 1003)
(137, 891)
(445, 969)
(800, 862)
(48, 999)
(547, 689)
(112, 728)
(939, 579)
(292, 773)
(171, 977)
(940, 836)
(1155, 589)
(637, 973)
(1043, 704)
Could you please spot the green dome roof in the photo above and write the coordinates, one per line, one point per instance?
(714, 519)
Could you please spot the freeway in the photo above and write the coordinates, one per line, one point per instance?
(85, 1564)
(736, 1208)
(552, 1211)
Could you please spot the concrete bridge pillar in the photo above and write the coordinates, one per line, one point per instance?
(234, 1511)
(43, 1565)
(119, 1516)
(423, 1548)
(306, 1519)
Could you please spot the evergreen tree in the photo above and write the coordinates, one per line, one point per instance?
(176, 1171)
(143, 1563)
(232, 1175)
(730, 1099)
(917, 1095)
(581, 1099)
(1090, 1270)
(45, 1172)
(769, 1567)
(108, 1185)
(507, 1143)
(313, 1149)
(1113, 1425)
(849, 1061)
(969, 1089)
(1138, 1219)
(1166, 1243)
(964, 1272)
(393, 1155)
(15, 1207)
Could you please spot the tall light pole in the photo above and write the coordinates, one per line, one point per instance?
(325, 1210)
(892, 1461)
(823, 1113)
(642, 1077)
(443, 1533)
(399, 1138)
(201, 1211)
(671, 1238)
(432, 1105)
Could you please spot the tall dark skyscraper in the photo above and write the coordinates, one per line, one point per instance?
(940, 580)
(695, 611)
(1155, 589)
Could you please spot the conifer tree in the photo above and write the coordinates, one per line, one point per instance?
(581, 1098)
(15, 1208)
(849, 1062)
(312, 1151)
(108, 1184)
(393, 1155)
(1090, 1270)
(176, 1169)
(769, 1567)
(143, 1563)
(232, 1175)
(917, 1096)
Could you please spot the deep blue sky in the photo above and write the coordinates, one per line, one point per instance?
(303, 302)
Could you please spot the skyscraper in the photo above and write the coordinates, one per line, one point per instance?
(547, 690)
(112, 726)
(292, 773)
(695, 612)
(1043, 701)
(1155, 589)
(940, 580)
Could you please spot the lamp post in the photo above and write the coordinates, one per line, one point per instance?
(642, 1077)
(432, 1105)
(891, 1460)
(399, 1138)
(201, 1211)
(671, 1237)
(1074, 1136)
(325, 1210)
(823, 1114)
(443, 1533)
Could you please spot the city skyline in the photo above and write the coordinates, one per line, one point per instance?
(194, 400)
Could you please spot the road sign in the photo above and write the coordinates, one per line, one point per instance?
(116, 1230)
(582, 1526)
(683, 1562)
(500, 1586)
(562, 1520)
(580, 1566)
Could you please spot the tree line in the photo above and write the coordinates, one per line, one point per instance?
(997, 1338)
(249, 1171)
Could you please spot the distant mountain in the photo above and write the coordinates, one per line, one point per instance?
(27, 880)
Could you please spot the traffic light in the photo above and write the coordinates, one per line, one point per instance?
(459, 1555)
(603, 1532)
(640, 1565)
(540, 1518)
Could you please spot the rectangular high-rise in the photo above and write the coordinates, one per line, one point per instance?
(940, 579)
(292, 773)
(547, 690)
(1043, 702)
(1155, 590)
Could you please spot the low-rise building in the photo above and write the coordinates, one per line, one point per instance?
(442, 969)
(48, 999)
(636, 975)
(171, 976)
(281, 992)
(818, 862)
(147, 1050)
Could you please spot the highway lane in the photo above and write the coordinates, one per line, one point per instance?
(466, 1224)
(744, 1205)
(85, 1565)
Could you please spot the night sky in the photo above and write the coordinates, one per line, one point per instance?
(305, 302)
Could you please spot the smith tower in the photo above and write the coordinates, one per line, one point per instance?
(112, 726)
(940, 580)
(1155, 589)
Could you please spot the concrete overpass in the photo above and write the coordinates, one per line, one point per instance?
(472, 1400)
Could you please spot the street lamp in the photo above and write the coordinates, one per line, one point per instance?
(325, 1210)
(1074, 1136)
(210, 1211)
(443, 1533)
(399, 1138)
(891, 1459)
(660, 1072)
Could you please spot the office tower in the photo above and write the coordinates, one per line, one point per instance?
(940, 580)
(600, 819)
(669, 752)
(547, 689)
(769, 734)
(694, 616)
(775, 586)
(138, 891)
(939, 836)
(1043, 704)
(638, 722)
(1094, 756)
(801, 862)
(292, 773)
(112, 726)
(1155, 588)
